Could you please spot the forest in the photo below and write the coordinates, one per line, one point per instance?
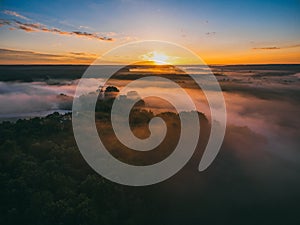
(45, 180)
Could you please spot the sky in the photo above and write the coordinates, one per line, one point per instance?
(220, 32)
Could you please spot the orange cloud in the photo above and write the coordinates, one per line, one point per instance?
(11, 56)
(25, 28)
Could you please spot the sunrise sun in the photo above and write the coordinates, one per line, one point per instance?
(157, 58)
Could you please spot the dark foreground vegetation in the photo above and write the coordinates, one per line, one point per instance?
(44, 180)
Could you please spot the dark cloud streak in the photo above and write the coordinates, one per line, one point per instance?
(266, 48)
(276, 48)
(37, 27)
(211, 33)
(8, 56)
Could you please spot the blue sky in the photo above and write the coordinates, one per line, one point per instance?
(241, 30)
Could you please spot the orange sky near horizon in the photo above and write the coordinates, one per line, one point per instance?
(252, 56)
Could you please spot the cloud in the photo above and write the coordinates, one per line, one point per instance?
(85, 34)
(85, 27)
(12, 13)
(211, 33)
(292, 46)
(4, 22)
(82, 54)
(11, 56)
(267, 48)
(37, 27)
(27, 29)
(276, 48)
(11, 52)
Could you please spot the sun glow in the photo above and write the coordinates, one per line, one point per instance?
(157, 58)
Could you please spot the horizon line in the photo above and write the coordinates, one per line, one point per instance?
(79, 64)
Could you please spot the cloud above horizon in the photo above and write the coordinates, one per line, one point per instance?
(10, 56)
(211, 33)
(266, 48)
(38, 27)
(13, 13)
(276, 47)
